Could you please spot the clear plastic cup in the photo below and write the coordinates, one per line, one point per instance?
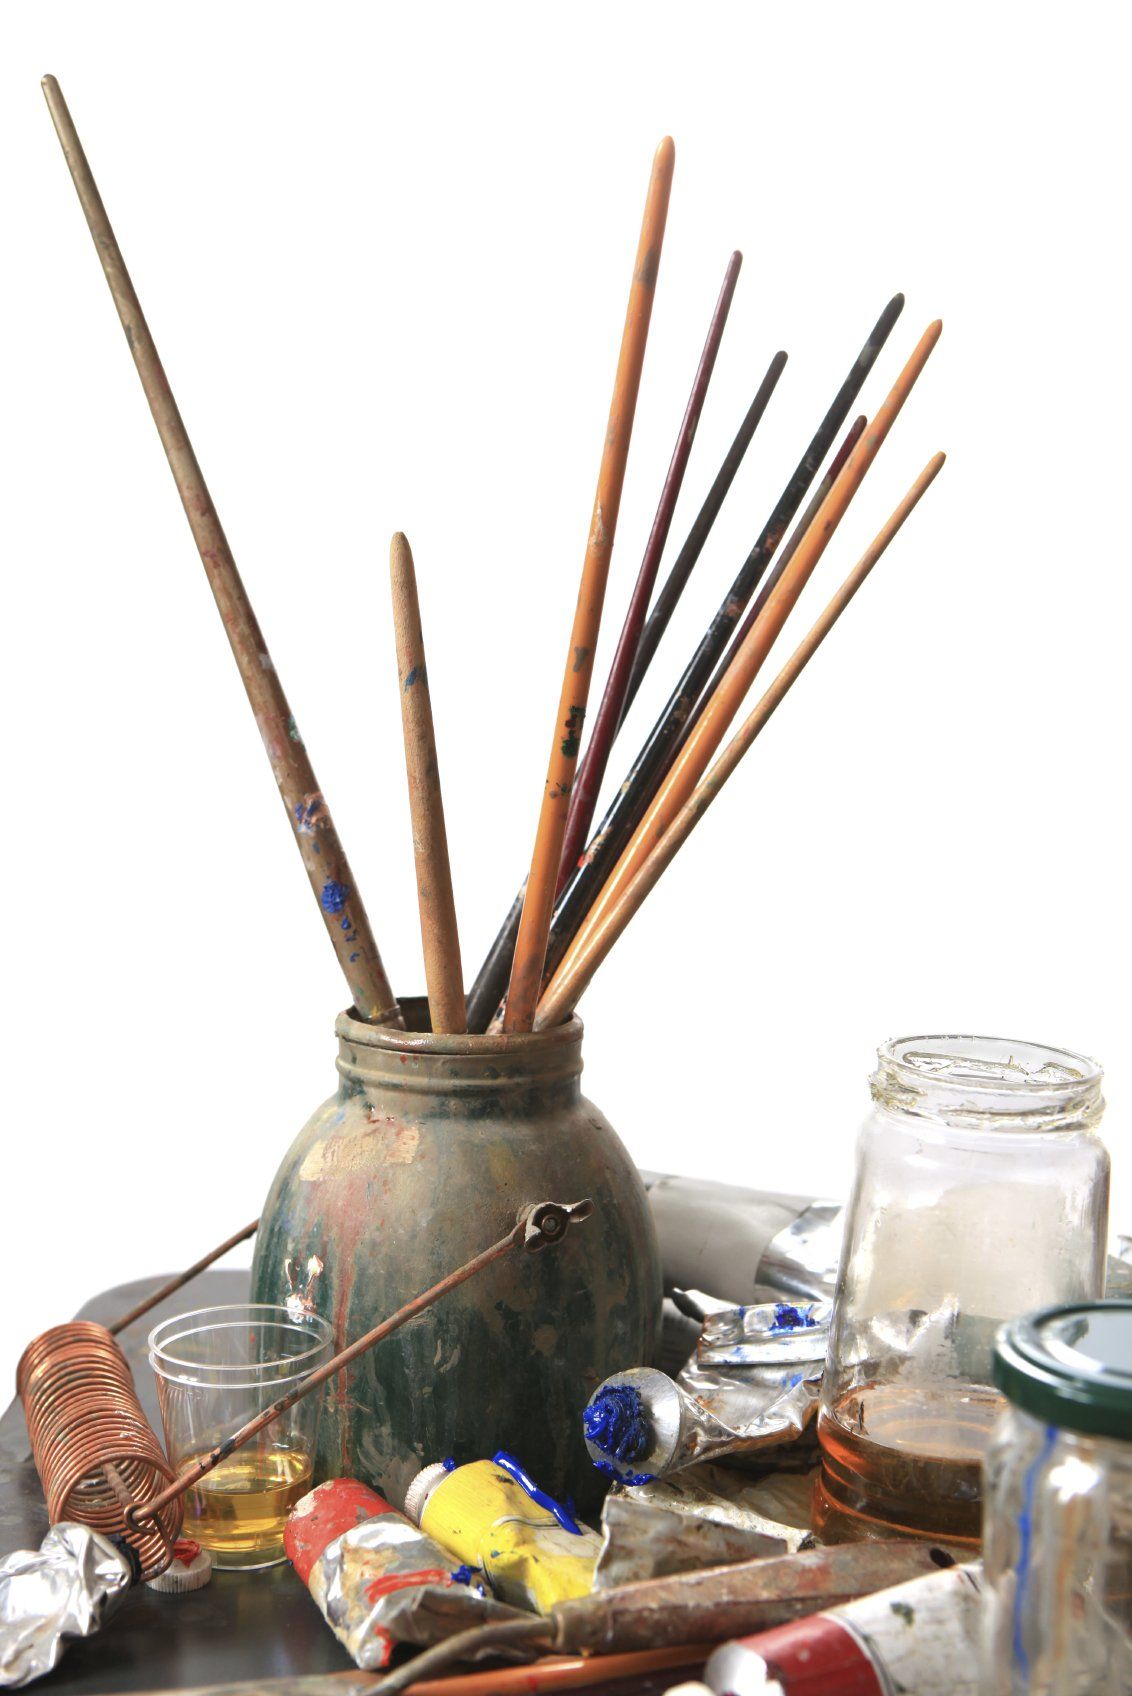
(216, 1369)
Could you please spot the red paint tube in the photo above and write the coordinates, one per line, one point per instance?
(377, 1579)
(922, 1636)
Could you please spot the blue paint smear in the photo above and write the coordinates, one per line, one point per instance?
(511, 1466)
(334, 896)
(790, 1318)
(617, 1422)
(1026, 1548)
(611, 1471)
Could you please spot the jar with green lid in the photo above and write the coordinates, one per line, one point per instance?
(1057, 1531)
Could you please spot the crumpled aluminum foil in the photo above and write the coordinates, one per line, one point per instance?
(66, 1588)
(753, 1385)
(704, 1516)
(727, 1241)
(384, 1582)
(1118, 1283)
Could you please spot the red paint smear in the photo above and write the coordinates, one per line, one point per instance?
(186, 1550)
(406, 1581)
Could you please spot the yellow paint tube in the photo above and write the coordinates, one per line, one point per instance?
(490, 1515)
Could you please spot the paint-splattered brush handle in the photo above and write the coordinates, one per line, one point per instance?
(577, 970)
(542, 881)
(439, 935)
(323, 855)
(591, 767)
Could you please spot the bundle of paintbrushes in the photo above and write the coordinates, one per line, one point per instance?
(584, 884)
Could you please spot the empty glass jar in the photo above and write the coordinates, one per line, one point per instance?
(981, 1192)
(1057, 1537)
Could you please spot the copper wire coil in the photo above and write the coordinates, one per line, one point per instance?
(93, 1445)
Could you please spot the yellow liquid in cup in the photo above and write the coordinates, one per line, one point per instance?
(239, 1510)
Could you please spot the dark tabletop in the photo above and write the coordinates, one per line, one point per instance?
(243, 1625)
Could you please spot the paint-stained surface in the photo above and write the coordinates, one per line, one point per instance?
(429, 1149)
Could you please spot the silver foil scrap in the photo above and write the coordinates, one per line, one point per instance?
(704, 1516)
(66, 1588)
(384, 1582)
(726, 1240)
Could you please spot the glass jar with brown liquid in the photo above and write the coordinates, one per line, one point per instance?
(981, 1193)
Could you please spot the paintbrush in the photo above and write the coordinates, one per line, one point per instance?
(439, 934)
(659, 750)
(491, 982)
(591, 767)
(542, 880)
(323, 855)
(576, 972)
(790, 547)
(692, 760)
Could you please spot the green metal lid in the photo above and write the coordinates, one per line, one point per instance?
(1071, 1366)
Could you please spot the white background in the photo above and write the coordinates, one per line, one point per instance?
(385, 253)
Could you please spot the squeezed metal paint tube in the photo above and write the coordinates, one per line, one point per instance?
(753, 1384)
(377, 1580)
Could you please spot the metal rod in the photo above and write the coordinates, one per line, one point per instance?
(323, 855)
(576, 972)
(440, 937)
(519, 1233)
(542, 880)
(692, 761)
(182, 1279)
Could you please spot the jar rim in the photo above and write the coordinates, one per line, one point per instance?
(966, 1079)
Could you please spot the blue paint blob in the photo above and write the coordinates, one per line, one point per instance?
(448, 1464)
(463, 1574)
(334, 896)
(617, 1422)
(790, 1318)
(613, 1472)
(513, 1468)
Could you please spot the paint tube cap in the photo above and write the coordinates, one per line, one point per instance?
(421, 1488)
(190, 1569)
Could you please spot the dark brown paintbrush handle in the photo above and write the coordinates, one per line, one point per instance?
(323, 855)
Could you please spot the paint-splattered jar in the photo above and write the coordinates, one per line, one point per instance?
(1057, 1540)
(981, 1192)
(422, 1159)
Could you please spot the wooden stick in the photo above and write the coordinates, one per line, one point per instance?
(439, 934)
(491, 982)
(576, 971)
(673, 587)
(591, 768)
(790, 548)
(534, 925)
(659, 751)
(692, 760)
(323, 855)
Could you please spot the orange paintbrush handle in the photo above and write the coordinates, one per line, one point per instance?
(577, 969)
(709, 731)
(437, 904)
(534, 926)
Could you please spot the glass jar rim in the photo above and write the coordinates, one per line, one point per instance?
(283, 1369)
(967, 1080)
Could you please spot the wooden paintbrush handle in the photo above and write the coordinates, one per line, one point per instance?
(323, 855)
(439, 934)
(534, 926)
